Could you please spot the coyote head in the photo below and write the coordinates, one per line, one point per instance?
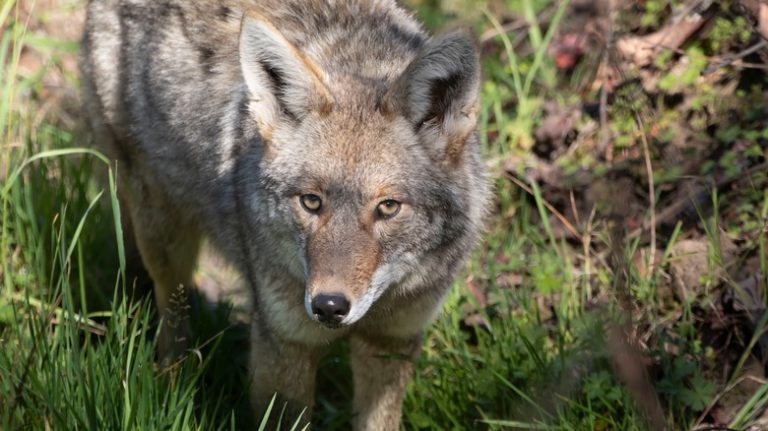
(369, 162)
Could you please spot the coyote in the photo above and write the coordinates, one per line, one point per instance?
(327, 149)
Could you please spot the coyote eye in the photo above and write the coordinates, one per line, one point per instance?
(311, 203)
(387, 209)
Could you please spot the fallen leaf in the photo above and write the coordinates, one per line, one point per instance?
(642, 50)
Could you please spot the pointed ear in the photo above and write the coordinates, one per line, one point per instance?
(438, 94)
(282, 81)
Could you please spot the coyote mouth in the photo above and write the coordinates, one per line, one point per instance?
(333, 326)
(328, 325)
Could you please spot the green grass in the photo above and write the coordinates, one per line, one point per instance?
(530, 352)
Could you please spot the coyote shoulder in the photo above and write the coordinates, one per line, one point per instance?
(328, 149)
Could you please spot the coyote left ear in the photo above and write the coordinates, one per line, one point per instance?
(283, 82)
(438, 94)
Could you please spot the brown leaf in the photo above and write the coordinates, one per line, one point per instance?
(643, 50)
(762, 21)
(554, 129)
(509, 279)
(568, 50)
(479, 295)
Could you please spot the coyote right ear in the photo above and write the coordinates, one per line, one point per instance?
(282, 81)
(438, 94)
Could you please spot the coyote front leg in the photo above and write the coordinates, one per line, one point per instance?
(286, 369)
(381, 367)
(169, 247)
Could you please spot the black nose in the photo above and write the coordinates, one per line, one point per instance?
(330, 308)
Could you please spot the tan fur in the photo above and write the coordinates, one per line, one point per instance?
(222, 115)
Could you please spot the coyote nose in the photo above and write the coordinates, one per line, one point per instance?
(330, 308)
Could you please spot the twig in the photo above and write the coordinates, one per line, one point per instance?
(573, 207)
(572, 230)
(491, 33)
(671, 212)
(62, 315)
(735, 57)
(605, 67)
(515, 25)
(604, 140)
(746, 65)
(717, 398)
(586, 242)
(651, 191)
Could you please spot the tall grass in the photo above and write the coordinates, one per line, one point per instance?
(63, 366)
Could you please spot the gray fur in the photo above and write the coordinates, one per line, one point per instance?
(222, 114)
